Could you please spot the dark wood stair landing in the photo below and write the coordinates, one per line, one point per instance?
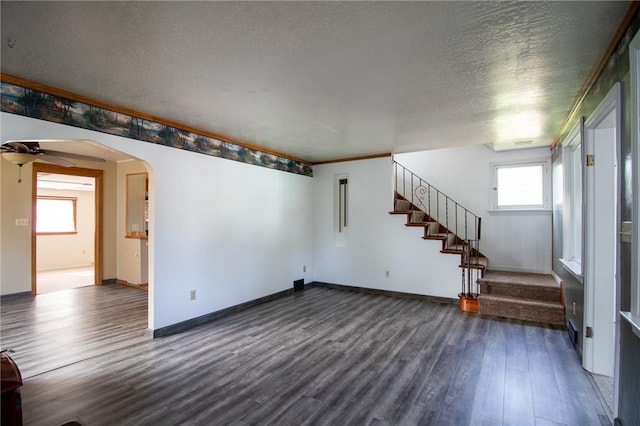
(523, 296)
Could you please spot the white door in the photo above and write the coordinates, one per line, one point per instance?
(601, 237)
(605, 252)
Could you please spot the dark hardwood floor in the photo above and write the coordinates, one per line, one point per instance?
(321, 356)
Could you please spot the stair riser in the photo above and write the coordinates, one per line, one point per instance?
(546, 294)
(513, 310)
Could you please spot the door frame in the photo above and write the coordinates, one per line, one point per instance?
(612, 101)
(74, 171)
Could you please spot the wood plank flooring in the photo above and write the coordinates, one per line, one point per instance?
(321, 356)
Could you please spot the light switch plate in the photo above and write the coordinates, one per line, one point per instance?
(22, 222)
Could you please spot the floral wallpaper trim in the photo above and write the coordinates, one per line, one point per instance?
(43, 106)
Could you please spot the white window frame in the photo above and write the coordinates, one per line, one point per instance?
(546, 185)
(573, 201)
(633, 317)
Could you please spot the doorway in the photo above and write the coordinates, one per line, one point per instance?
(64, 232)
(602, 218)
(74, 277)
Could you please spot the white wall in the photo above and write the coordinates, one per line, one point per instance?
(230, 242)
(15, 203)
(513, 241)
(69, 250)
(375, 241)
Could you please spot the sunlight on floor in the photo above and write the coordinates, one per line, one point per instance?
(64, 279)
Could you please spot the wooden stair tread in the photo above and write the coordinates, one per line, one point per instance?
(520, 278)
(523, 287)
(451, 251)
(434, 237)
(472, 266)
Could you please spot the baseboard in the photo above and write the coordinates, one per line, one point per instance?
(141, 286)
(207, 318)
(426, 298)
(15, 295)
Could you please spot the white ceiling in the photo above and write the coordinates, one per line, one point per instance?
(323, 80)
(65, 182)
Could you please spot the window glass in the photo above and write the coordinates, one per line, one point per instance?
(55, 215)
(521, 186)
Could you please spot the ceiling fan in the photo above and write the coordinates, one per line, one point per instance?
(22, 152)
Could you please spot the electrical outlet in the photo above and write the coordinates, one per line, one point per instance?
(387, 274)
(22, 222)
(304, 268)
(135, 227)
(192, 295)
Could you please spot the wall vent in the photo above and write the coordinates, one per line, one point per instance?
(298, 285)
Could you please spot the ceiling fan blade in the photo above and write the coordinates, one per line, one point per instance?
(20, 147)
(55, 160)
(73, 156)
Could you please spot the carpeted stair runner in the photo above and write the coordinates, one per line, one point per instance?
(528, 297)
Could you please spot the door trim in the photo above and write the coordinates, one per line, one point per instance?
(613, 100)
(74, 171)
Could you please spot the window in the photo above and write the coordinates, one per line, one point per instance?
(572, 201)
(521, 186)
(56, 215)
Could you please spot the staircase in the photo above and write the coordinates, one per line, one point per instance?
(445, 220)
(522, 296)
(527, 297)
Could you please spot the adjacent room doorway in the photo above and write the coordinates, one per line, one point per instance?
(87, 269)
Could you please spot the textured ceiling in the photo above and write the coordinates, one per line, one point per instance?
(323, 80)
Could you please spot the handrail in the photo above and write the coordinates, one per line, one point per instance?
(413, 188)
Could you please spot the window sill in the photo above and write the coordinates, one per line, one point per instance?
(574, 268)
(58, 233)
(633, 320)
